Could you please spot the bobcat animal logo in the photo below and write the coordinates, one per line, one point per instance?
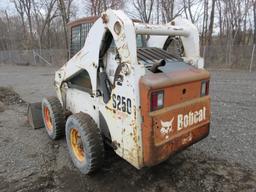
(166, 128)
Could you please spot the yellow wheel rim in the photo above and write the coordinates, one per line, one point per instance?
(76, 144)
(48, 120)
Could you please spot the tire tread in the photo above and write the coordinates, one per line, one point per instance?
(57, 116)
(91, 132)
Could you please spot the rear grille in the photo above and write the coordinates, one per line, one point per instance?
(150, 55)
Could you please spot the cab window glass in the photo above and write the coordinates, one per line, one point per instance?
(75, 40)
(78, 37)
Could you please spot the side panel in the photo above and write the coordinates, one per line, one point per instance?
(122, 111)
(122, 114)
(81, 101)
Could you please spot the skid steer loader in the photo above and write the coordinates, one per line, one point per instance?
(123, 86)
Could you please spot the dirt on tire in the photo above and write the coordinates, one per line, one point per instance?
(56, 114)
(91, 141)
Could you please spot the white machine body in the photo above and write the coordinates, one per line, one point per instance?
(123, 118)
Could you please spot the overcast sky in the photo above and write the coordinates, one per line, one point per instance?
(6, 4)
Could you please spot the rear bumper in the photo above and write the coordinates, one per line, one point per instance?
(159, 145)
(157, 154)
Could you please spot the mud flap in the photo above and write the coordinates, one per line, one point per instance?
(34, 115)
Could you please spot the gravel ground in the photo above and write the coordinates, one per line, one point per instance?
(233, 128)
(224, 161)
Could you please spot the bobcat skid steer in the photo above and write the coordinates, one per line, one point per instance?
(124, 87)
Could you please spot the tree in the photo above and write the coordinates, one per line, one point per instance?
(44, 12)
(65, 10)
(144, 9)
(24, 7)
(254, 18)
(20, 9)
(168, 9)
(193, 10)
(205, 22)
(211, 22)
(221, 31)
(96, 7)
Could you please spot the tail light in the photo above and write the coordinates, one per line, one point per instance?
(205, 88)
(157, 100)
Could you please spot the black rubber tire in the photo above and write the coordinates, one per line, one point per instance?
(57, 117)
(91, 139)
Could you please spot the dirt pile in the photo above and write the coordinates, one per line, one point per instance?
(9, 97)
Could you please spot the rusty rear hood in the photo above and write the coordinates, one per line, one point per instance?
(158, 141)
(159, 80)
